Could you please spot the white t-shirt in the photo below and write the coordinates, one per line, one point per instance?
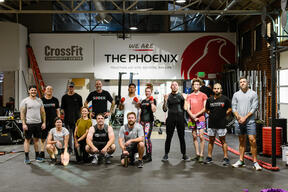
(59, 135)
(130, 106)
(32, 107)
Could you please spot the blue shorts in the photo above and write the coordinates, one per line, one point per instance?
(245, 129)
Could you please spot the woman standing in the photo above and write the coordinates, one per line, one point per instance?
(82, 126)
(57, 142)
(148, 107)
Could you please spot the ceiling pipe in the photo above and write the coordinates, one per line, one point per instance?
(228, 7)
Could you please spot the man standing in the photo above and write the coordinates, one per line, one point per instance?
(100, 140)
(148, 107)
(244, 105)
(130, 103)
(71, 104)
(217, 106)
(99, 99)
(51, 105)
(175, 104)
(196, 109)
(33, 120)
(131, 137)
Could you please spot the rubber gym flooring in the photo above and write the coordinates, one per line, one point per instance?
(175, 175)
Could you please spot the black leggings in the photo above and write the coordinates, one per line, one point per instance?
(172, 122)
(83, 156)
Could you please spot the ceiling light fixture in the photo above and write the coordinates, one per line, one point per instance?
(134, 28)
(2, 1)
(180, 1)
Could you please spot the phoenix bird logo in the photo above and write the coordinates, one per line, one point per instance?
(207, 54)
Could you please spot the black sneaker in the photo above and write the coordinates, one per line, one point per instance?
(42, 155)
(107, 159)
(53, 161)
(185, 158)
(165, 158)
(226, 162)
(208, 160)
(140, 164)
(147, 157)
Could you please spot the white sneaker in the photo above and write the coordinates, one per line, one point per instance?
(257, 167)
(239, 163)
(95, 160)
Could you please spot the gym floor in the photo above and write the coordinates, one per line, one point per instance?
(174, 175)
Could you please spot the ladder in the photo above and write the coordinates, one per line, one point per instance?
(36, 72)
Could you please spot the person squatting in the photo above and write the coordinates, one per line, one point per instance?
(93, 139)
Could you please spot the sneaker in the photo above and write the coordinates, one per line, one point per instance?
(147, 158)
(185, 158)
(140, 164)
(239, 163)
(226, 162)
(201, 159)
(208, 160)
(165, 158)
(95, 160)
(53, 161)
(257, 167)
(196, 158)
(39, 159)
(125, 161)
(107, 159)
(42, 155)
(27, 161)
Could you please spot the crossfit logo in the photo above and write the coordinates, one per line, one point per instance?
(74, 53)
(207, 54)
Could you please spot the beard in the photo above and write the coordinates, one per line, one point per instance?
(131, 123)
(217, 94)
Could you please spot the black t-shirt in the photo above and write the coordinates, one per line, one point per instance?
(99, 101)
(50, 105)
(146, 111)
(217, 108)
(208, 91)
(71, 104)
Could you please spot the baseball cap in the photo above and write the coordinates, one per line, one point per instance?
(71, 84)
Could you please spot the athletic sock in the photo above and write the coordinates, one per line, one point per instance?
(26, 155)
(36, 154)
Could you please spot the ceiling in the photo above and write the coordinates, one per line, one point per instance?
(103, 11)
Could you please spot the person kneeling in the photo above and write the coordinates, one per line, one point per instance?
(131, 141)
(100, 141)
(57, 138)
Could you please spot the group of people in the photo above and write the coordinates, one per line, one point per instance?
(94, 142)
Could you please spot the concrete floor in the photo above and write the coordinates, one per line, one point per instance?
(175, 175)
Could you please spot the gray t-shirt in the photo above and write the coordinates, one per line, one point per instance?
(59, 135)
(32, 107)
(244, 103)
(127, 133)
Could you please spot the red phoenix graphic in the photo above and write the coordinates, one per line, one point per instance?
(207, 54)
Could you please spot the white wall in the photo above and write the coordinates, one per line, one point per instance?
(13, 38)
(9, 54)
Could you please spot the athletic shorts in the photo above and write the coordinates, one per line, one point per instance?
(245, 129)
(199, 125)
(132, 149)
(220, 132)
(99, 146)
(60, 151)
(33, 130)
